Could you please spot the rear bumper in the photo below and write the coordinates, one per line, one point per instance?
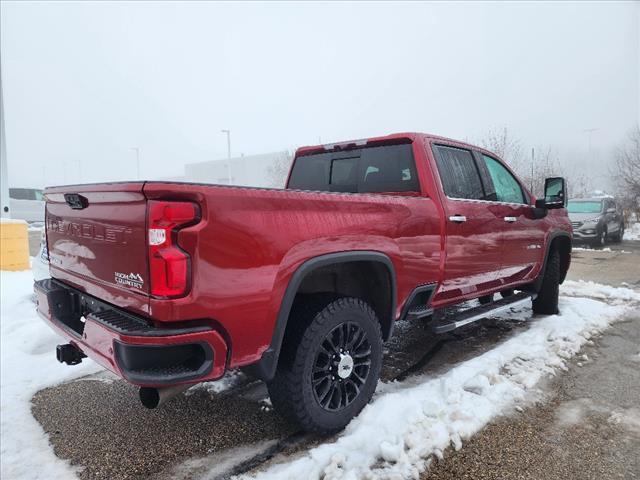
(129, 345)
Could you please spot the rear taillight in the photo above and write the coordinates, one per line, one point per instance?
(169, 265)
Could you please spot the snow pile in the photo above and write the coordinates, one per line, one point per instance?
(632, 232)
(583, 249)
(397, 433)
(28, 365)
(613, 295)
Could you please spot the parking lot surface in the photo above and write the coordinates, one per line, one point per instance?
(98, 424)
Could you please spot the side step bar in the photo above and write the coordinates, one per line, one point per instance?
(471, 315)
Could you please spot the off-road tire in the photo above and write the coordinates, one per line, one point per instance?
(291, 390)
(547, 300)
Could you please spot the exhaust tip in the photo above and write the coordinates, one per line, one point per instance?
(154, 397)
(150, 397)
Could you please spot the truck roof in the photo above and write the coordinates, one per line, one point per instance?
(385, 139)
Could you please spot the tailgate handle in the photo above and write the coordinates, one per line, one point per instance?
(76, 201)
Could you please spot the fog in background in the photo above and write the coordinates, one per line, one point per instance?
(85, 82)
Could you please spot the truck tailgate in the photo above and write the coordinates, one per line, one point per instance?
(96, 235)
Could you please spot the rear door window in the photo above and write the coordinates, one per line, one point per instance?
(388, 168)
(459, 173)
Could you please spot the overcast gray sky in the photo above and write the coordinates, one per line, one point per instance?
(84, 82)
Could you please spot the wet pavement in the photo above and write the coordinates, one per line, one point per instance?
(98, 424)
(588, 426)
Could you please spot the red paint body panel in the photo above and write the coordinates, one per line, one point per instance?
(250, 241)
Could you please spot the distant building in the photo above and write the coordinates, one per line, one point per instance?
(262, 170)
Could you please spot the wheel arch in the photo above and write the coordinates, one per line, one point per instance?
(381, 296)
(561, 241)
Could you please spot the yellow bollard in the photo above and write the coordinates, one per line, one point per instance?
(14, 245)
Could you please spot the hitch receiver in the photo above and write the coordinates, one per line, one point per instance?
(69, 354)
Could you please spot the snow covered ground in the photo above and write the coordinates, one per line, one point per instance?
(632, 232)
(27, 364)
(395, 435)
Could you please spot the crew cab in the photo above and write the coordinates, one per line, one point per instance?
(170, 284)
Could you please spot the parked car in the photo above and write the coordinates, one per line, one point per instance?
(26, 204)
(169, 284)
(596, 220)
(40, 263)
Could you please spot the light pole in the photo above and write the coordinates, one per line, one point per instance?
(137, 150)
(589, 132)
(4, 210)
(228, 132)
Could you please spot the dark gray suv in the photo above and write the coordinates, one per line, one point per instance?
(595, 220)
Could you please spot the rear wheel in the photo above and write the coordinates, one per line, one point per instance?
(329, 364)
(547, 300)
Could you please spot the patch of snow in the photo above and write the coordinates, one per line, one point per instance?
(216, 465)
(396, 435)
(615, 295)
(628, 418)
(231, 379)
(28, 364)
(632, 232)
(572, 412)
(584, 249)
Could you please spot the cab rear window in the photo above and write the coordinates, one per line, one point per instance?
(388, 168)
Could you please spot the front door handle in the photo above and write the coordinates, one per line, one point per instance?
(510, 219)
(458, 218)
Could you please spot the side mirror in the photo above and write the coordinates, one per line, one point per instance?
(611, 210)
(554, 194)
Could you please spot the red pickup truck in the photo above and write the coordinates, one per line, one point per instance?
(169, 284)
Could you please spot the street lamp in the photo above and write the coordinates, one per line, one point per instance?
(137, 150)
(228, 132)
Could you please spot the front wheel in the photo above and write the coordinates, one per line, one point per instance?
(547, 300)
(329, 365)
(620, 234)
(601, 239)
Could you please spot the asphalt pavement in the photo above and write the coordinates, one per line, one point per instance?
(98, 424)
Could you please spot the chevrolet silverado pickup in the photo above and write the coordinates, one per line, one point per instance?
(170, 284)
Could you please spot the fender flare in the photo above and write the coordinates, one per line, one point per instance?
(265, 368)
(537, 284)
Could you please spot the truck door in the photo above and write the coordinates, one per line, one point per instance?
(473, 228)
(523, 234)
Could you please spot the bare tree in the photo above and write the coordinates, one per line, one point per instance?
(279, 169)
(627, 173)
(506, 147)
(531, 171)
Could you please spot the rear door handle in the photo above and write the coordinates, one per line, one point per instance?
(510, 219)
(458, 218)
